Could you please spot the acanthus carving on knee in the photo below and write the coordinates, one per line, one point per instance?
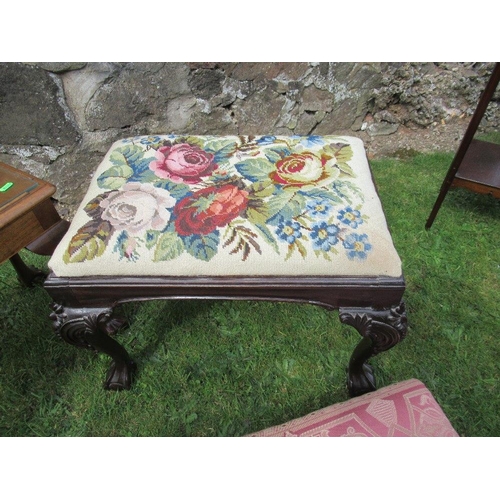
(384, 327)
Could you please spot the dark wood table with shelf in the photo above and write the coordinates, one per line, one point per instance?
(476, 165)
(28, 219)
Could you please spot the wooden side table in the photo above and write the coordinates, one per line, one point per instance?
(27, 219)
(476, 165)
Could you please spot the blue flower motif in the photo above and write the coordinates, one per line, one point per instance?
(313, 140)
(357, 246)
(350, 217)
(289, 231)
(309, 140)
(319, 208)
(152, 139)
(266, 139)
(324, 236)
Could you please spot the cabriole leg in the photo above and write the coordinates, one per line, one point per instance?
(381, 330)
(27, 274)
(90, 328)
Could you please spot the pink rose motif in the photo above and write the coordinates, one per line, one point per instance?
(183, 163)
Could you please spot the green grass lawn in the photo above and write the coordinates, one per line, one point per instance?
(214, 368)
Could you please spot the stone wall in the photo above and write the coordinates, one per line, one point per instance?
(58, 119)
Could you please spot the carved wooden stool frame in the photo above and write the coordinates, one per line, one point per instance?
(83, 311)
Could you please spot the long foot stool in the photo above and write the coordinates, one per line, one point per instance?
(405, 409)
(274, 218)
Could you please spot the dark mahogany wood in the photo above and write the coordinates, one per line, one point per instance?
(90, 328)
(476, 165)
(83, 310)
(28, 275)
(381, 329)
(480, 169)
(48, 241)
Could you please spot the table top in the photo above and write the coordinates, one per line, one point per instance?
(20, 192)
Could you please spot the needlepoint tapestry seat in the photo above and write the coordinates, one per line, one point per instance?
(265, 217)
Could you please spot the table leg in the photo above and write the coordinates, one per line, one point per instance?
(90, 328)
(381, 330)
(27, 274)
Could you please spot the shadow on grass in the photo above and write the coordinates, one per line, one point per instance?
(471, 204)
(34, 364)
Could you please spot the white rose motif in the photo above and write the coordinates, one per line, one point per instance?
(137, 208)
(305, 169)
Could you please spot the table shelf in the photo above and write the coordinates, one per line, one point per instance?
(480, 168)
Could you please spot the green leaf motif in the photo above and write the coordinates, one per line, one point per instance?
(324, 194)
(296, 246)
(276, 154)
(133, 156)
(193, 140)
(128, 163)
(147, 177)
(322, 253)
(279, 201)
(262, 189)
(151, 238)
(221, 149)
(255, 169)
(344, 188)
(257, 211)
(202, 246)
(344, 154)
(345, 170)
(115, 177)
(264, 231)
(301, 248)
(93, 207)
(169, 247)
(177, 190)
(288, 204)
(89, 242)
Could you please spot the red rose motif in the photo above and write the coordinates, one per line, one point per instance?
(209, 208)
(183, 163)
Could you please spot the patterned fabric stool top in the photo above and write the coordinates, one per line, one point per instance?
(230, 206)
(405, 409)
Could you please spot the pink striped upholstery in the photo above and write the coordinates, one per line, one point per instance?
(402, 409)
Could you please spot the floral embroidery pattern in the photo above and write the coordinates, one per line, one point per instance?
(209, 208)
(172, 194)
(182, 163)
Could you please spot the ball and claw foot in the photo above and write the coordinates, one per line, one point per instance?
(361, 381)
(119, 376)
(91, 328)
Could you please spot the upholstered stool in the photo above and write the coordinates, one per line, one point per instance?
(405, 409)
(238, 217)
